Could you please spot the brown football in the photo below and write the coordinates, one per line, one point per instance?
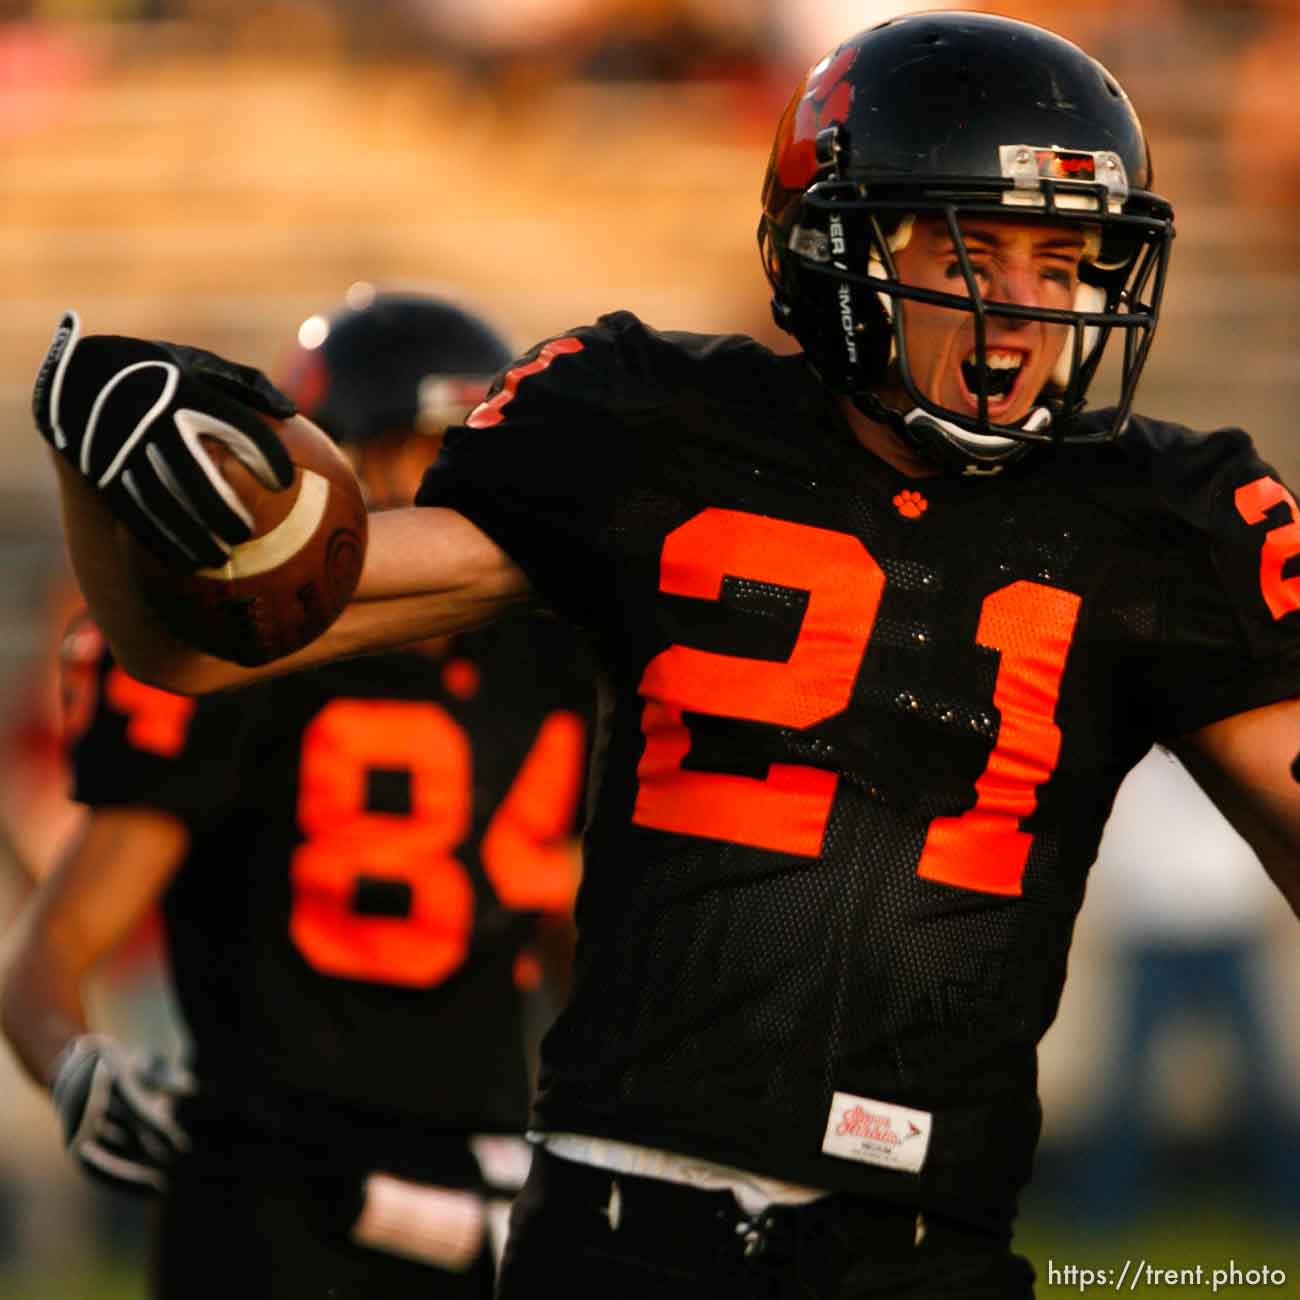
(285, 585)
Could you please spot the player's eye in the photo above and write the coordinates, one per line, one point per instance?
(953, 271)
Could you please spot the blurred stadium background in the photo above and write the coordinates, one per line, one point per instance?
(214, 171)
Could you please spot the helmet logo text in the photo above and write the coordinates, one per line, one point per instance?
(838, 244)
(845, 296)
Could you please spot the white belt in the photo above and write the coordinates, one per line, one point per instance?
(754, 1192)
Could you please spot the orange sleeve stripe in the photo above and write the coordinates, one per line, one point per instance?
(488, 413)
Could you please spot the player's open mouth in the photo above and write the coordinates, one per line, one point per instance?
(1004, 368)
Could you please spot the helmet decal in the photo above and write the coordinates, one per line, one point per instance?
(823, 99)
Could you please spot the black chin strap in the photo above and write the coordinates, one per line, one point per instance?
(874, 409)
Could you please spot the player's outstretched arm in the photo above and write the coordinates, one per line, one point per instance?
(115, 1105)
(428, 572)
(129, 423)
(1245, 763)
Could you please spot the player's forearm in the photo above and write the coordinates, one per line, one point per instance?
(427, 573)
(41, 1008)
(440, 557)
(96, 896)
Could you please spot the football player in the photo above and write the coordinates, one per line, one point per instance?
(353, 866)
(884, 625)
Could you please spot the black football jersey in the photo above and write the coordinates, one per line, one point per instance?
(865, 731)
(372, 842)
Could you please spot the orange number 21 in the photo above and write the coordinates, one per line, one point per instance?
(1031, 625)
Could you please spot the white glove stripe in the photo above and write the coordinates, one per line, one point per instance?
(120, 1108)
(118, 1167)
(128, 482)
(173, 374)
(191, 423)
(98, 1097)
(56, 388)
(172, 484)
(155, 1108)
(111, 1135)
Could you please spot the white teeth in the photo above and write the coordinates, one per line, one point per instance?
(999, 360)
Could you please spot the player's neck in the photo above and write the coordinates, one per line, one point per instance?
(883, 442)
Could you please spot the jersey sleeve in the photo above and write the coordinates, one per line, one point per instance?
(1231, 640)
(532, 464)
(135, 745)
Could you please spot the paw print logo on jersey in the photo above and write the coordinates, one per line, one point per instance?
(460, 677)
(911, 505)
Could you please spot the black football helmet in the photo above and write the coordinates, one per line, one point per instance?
(954, 115)
(392, 363)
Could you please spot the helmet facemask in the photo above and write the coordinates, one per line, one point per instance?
(844, 225)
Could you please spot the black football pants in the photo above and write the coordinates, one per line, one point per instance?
(573, 1235)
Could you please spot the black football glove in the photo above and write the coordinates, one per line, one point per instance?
(129, 414)
(117, 1111)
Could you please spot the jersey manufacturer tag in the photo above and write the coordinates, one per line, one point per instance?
(877, 1132)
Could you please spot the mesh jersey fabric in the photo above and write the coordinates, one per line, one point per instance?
(860, 737)
(372, 842)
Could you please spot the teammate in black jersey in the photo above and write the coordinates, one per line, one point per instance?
(882, 626)
(353, 864)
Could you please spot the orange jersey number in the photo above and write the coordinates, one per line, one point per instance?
(787, 811)
(1031, 625)
(381, 896)
(1254, 501)
(156, 721)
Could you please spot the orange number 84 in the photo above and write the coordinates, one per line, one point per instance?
(424, 931)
